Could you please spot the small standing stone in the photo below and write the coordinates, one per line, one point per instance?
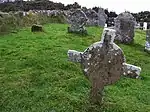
(103, 63)
(78, 21)
(36, 28)
(124, 26)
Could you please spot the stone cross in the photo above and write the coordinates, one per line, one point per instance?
(124, 26)
(103, 63)
(78, 21)
(147, 44)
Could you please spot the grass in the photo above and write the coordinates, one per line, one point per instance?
(35, 75)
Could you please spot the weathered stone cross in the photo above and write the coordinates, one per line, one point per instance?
(103, 63)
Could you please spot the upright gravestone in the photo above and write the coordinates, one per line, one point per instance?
(102, 17)
(147, 44)
(103, 63)
(148, 25)
(78, 21)
(124, 25)
(93, 19)
(145, 26)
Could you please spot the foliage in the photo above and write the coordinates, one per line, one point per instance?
(36, 5)
(35, 75)
(50, 5)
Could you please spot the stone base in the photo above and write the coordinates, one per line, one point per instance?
(79, 31)
(124, 40)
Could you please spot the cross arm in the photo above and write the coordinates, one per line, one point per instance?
(131, 71)
(74, 55)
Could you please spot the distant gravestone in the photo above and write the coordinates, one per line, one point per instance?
(145, 26)
(103, 63)
(124, 26)
(93, 19)
(148, 25)
(78, 21)
(102, 17)
(141, 25)
(36, 28)
(147, 44)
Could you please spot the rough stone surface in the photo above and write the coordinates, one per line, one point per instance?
(131, 71)
(93, 19)
(102, 17)
(147, 44)
(124, 26)
(78, 21)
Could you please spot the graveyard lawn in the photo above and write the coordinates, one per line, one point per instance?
(35, 75)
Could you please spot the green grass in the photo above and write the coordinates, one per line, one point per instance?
(35, 75)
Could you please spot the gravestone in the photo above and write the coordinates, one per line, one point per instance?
(124, 26)
(93, 19)
(141, 25)
(103, 63)
(78, 21)
(102, 17)
(145, 26)
(36, 28)
(147, 44)
(148, 25)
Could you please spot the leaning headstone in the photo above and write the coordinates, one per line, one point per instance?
(147, 44)
(103, 63)
(102, 17)
(78, 21)
(93, 19)
(124, 25)
(36, 28)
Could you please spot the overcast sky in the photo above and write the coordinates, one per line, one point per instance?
(113, 5)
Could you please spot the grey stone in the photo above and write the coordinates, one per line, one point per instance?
(78, 21)
(103, 63)
(147, 44)
(131, 71)
(93, 19)
(124, 25)
(102, 17)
